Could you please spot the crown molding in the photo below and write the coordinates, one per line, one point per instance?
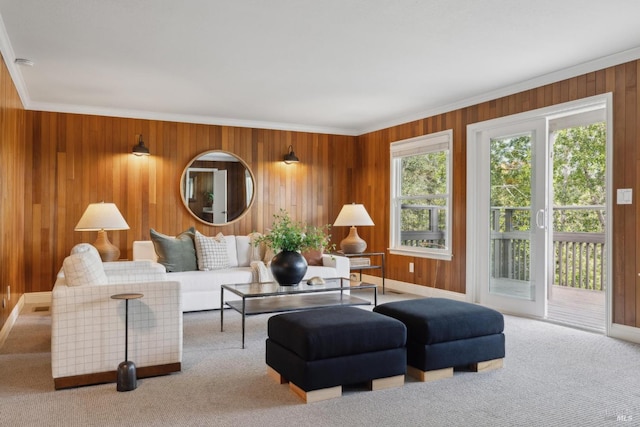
(553, 77)
(185, 118)
(587, 67)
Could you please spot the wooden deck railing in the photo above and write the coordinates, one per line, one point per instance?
(578, 260)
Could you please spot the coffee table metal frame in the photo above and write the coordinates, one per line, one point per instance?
(261, 298)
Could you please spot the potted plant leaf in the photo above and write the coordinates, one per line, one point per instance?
(288, 239)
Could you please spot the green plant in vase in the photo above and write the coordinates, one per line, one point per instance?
(288, 239)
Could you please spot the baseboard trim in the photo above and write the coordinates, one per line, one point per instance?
(624, 332)
(11, 320)
(411, 288)
(37, 297)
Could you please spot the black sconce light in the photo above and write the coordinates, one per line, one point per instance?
(291, 156)
(140, 149)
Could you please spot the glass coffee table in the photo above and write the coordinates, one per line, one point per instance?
(261, 298)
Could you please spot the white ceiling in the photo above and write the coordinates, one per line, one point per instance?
(330, 66)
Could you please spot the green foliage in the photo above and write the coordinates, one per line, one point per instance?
(289, 235)
(423, 177)
(578, 178)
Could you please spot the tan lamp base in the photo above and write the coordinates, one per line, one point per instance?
(353, 244)
(107, 250)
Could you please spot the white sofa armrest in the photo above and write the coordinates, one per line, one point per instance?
(88, 325)
(339, 262)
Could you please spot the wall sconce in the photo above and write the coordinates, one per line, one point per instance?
(140, 149)
(291, 156)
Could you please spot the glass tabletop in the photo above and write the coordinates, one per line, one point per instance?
(272, 288)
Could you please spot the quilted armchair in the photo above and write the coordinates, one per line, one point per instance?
(88, 326)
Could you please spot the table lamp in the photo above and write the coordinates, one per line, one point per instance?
(351, 216)
(101, 217)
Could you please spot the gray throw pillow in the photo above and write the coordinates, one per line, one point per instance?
(176, 253)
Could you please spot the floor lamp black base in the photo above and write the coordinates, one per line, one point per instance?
(127, 378)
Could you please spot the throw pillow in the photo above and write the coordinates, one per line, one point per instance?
(176, 253)
(84, 268)
(313, 257)
(212, 252)
(85, 247)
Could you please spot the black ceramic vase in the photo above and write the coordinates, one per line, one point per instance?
(288, 268)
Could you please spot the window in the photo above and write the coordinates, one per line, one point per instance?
(421, 196)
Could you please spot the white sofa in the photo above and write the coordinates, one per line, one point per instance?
(201, 289)
(88, 326)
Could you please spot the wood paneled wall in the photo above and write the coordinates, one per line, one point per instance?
(372, 180)
(81, 159)
(12, 170)
(74, 160)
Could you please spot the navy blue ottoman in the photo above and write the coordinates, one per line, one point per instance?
(444, 334)
(318, 351)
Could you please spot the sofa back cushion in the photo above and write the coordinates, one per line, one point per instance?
(84, 268)
(176, 253)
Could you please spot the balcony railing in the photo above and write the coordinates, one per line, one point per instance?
(578, 257)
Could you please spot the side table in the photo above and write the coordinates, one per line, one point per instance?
(359, 268)
(127, 377)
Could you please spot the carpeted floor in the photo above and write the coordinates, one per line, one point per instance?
(553, 376)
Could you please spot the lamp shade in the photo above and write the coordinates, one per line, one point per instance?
(353, 214)
(101, 216)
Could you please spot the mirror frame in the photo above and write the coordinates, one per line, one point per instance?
(183, 195)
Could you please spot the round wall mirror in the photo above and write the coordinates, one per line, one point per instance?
(217, 187)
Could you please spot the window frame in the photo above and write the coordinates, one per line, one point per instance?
(431, 143)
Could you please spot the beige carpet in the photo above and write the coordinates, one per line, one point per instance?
(553, 376)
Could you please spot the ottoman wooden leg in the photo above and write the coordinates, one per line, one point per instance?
(425, 376)
(388, 382)
(488, 365)
(272, 373)
(316, 395)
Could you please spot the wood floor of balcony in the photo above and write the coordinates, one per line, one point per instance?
(577, 307)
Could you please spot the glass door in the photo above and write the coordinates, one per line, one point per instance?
(514, 214)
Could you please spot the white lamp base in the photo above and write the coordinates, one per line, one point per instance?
(107, 250)
(353, 244)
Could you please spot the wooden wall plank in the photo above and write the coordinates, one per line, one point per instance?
(146, 189)
(70, 160)
(621, 80)
(13, 155)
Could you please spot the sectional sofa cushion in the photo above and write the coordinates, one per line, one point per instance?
(176, 253)
(84, 268)
(211, 252)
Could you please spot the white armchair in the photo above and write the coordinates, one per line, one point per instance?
(88, 326)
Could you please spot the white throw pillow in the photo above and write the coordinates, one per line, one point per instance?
(85, 247)
(212, 252)
(84, 268)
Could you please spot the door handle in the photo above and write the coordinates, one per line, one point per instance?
(540, 219)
